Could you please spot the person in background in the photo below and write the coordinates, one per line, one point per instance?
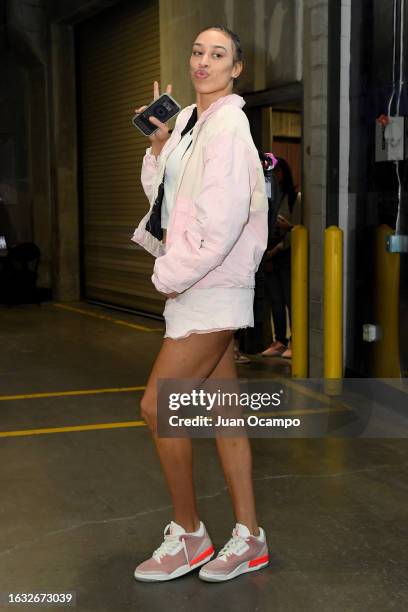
(278, 260)
(252, 339)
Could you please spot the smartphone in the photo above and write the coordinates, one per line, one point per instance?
(164, 108)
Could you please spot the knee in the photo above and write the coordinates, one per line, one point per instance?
(148, 411)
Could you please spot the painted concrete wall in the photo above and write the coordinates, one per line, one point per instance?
(47, 210)
(270, 31)
(15, 205)
(69, 12)
(25, 111)
(63, 128)
(314, 159)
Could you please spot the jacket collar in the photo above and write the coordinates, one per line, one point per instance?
(233, 99)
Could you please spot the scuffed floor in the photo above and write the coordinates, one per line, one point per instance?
(80, 508)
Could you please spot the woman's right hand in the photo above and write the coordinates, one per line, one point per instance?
(283, 223)
(270, 254)
(160, 136)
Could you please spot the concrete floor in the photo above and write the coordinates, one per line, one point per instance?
(79, 509)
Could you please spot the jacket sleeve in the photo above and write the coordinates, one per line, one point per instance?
(150, 165)
(219, 215)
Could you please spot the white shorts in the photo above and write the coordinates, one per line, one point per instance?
(201, 311)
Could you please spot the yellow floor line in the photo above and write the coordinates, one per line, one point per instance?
(308, 392)
(124, 424)
(106, 318)
(78, 392)
(49, 430)
(334, 408)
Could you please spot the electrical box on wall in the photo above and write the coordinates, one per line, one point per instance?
(371, 332)
(391, 139)
(397, 243)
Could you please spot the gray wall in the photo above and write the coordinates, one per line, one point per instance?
(15, 205)
(69, 12)
(25, 113)
(314, 164)
(47, 207)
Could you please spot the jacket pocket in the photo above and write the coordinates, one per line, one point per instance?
(181, 218)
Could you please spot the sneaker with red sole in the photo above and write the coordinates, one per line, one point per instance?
(180, 553)
(241, 554)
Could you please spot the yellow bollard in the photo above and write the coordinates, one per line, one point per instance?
(299, 301)
(386, 355)
(333, 303)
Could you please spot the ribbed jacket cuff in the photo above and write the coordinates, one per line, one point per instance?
(159, 286)
(150, 159)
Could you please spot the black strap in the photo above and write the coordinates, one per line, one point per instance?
(190, 123)
(189, 145)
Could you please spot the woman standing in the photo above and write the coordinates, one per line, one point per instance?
(208, 239)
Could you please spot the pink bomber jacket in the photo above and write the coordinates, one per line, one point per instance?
(217, 228)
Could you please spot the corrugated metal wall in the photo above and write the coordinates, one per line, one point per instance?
(119, 58)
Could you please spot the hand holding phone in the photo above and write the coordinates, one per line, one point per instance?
(161, 134)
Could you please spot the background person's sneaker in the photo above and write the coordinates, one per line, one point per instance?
(242, 553)
(287, 354)
(238, 356)
(180, 553)
(275, 349)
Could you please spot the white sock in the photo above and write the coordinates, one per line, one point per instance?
(199, 531)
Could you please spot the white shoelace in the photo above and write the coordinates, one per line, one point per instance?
(233, 545)
(171, 542)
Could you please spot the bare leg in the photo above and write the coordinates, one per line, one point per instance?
(193, 357)
(236, 459)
